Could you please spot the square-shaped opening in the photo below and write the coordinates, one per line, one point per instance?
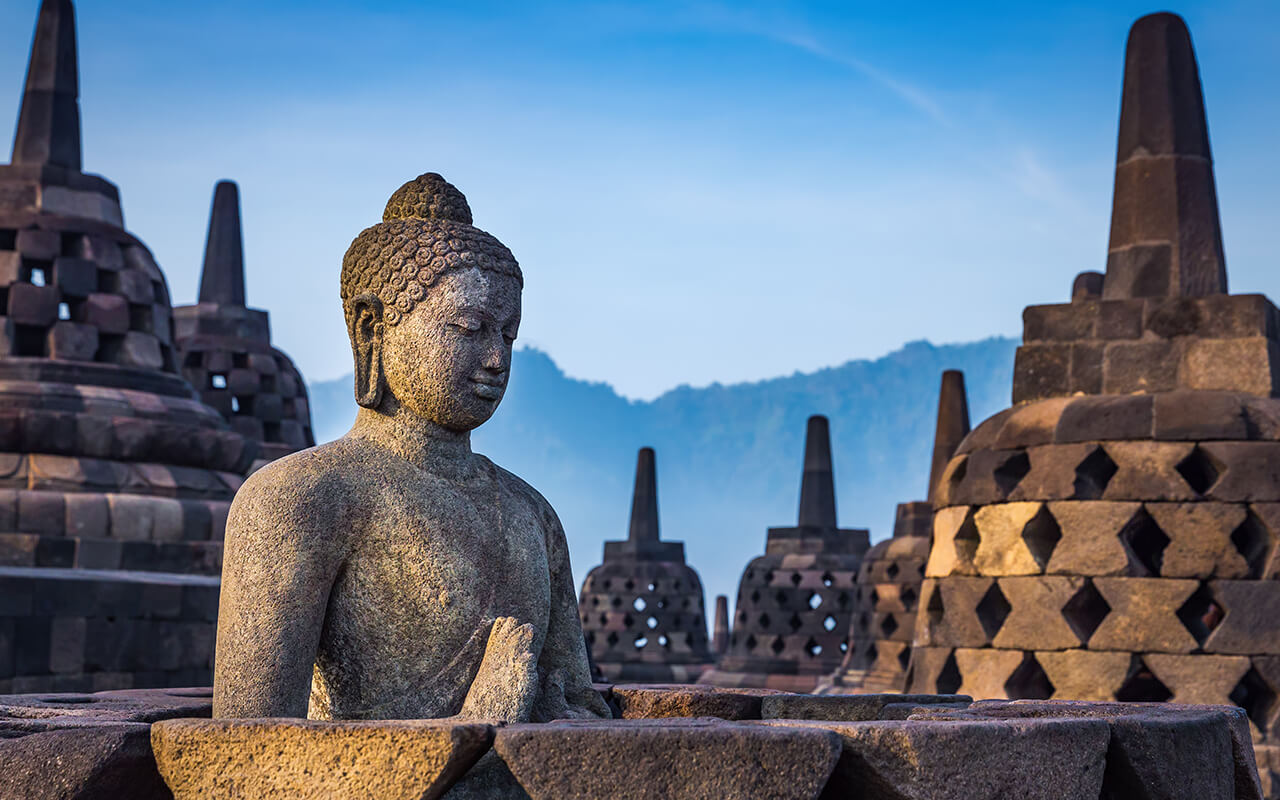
(218, 381)
(64, 311)
(29, 340)
(140, 318)
(8, 239)
(37, 276)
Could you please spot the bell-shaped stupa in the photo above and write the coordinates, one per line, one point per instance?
(796, 602)
(226, 347)
(642, 609)
(116, 478)
(889, 580)
(1113, 535)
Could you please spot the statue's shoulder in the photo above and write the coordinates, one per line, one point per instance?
(517, 486)
(330, 472)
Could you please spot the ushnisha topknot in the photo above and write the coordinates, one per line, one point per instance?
(426, 231)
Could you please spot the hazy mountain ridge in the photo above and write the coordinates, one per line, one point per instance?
(728, 455)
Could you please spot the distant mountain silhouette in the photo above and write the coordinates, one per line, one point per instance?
(728, 456)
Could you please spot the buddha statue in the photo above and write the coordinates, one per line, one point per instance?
(394, 573)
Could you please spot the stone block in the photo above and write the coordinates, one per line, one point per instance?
(1251, 624)
(1120, 319)
(1250, 471)
(1059, 322)
(1030, 424)
(288, 758)
(18, 549)
(135, 287)
(1086, 367)
(1144, 366)
(1053, 471)
(98, 554)
(1148, 471)
(1105, 418)
(86, 515)
(41, 512)
(72, 341)
(132, 517)
(948, 614)
(75, 276)
(33, 305)
(668, 701)
(668, 758)
(140, 350)
(914, 760)
(10, 267)
(1244, 365)
(1034, 619)
(1090, 544)
(847, 708)
(109, 313)
(955, 543)
(1200, 415)
(983, 437)
(66, 644)
(1144, 615)
(1085, 674)
(38, 245)
(1001, 548)
(1198, 679)
(985, 671)
(1200, 544)
(1040, 371)
(82, 759)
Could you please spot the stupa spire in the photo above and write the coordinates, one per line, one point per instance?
(817, 485)
(644, 502)
(952, 427)
(49, 121)
(222, 279)
(1166, 239)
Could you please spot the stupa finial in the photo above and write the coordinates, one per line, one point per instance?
(952, 427)
(817, 485)
(222, 279)
(1166, 239)
(644, 501)
(49, 121)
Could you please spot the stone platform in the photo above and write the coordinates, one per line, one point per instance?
(668, 741)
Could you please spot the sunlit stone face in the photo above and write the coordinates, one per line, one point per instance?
(449, 359)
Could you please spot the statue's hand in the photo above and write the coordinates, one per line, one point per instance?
(506, 685)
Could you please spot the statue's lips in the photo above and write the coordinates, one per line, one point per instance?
(487, 389)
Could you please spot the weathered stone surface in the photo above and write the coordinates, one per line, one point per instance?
(955, 543)
(977, 760)
(1001, 548)
(1090, 544)
(1143, 615)
(84, 759)
(1251, 624)
(986, 671)
(667, 758)
(847, 708)
(1200, 539)
(654, 702)
(1085, 674)
(948, 612)
(1032, 623)
(1198, 678)
(274, 758)
(1250, 471)
(1148, 471)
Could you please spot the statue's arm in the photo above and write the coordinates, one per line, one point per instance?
(566, 689)
(280, 558)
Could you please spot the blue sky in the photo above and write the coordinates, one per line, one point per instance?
(697, 192)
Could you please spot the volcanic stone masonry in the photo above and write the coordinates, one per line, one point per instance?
(1113, 535)
(226, 347)
(891, 573)
(642, 609)
(116, 478)
(796, 602)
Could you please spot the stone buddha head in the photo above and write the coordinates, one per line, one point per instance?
(432, 306)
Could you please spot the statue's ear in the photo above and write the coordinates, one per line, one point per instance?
(366, 338)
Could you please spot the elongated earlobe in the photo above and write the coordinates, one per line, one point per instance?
(366, 335)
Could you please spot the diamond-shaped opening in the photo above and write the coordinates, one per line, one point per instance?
(1144, 544)
(1041, 535)
(1093, 474)
(934, 610)
(795, 622)
(777, 646)
(812, 648)
(875, 597)
(751, 643)
(829, 623)
(949, 676)
(1141, 685)
(640, 604)
(604, 620)
(1011, 472)
(966, 539)
(629, 585)
(662, 602)
(1201, 614)
(864, 620)
(641, 641)
(1256, 698)
(768, 577)
(908, 598)
(1085, 611)
(676, 586)
(957, 474)
(1200, 470)
(590, 638)
(992, 610)
(616, 601)
(612, 638)
(755, 597)
(815, 600)
(628, 620)
(1253, 542)
(652, 622)
(888, 625)
(764, 621)
(1029, 681)
(892, 569)
(653, 587)
(904, 657)
(843, 600)
(796, 577)
(664, 641)
(844, 647)
(828, 579)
